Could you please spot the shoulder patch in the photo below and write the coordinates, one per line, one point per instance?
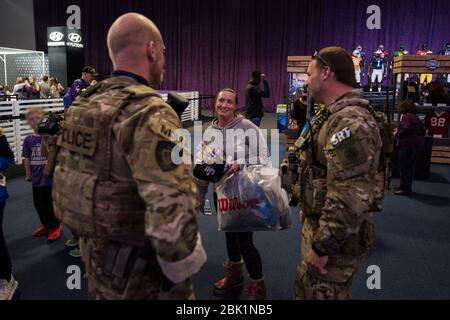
(340, 136)
(163, 155)
(165, 129)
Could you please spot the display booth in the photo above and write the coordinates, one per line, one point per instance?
(16, 63)
(437, 147)
(297, 67)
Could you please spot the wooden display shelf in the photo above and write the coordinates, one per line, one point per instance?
(440, 154)
(440, 160)
(298, 64)
(419, 64)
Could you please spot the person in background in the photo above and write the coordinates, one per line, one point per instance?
(239, 245)
(79, 85)
(60, 87)
(2, 93)
(299, 111)
(253, 97)
(54, 92)
(44, 88)
(7, 90)
(33, 89)
(57, 90)
(35, 163)
(8, 284)
(410, 141)
(21, 88)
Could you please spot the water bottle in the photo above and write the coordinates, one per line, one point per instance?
(207, 208)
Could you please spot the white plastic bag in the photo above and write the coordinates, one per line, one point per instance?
(252, 200)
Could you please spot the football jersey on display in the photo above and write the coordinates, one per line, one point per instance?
(378, 63)
(424, 52)
(357, 63)
(438, 123)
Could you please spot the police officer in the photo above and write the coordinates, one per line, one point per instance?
(339, 159)
(115, 184)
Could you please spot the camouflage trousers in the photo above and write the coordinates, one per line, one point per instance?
(117, 271)
(335, 285)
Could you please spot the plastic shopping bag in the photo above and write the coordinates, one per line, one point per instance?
(252, 200)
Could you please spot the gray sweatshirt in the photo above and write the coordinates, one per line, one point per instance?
(240, 141)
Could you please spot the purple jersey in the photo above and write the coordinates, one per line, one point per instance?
(75, 89)
(32, 150)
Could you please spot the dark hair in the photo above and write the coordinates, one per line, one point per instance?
(45, 78)
(256, 74)
(407, 106)
(256, 77)
(227, 90)
(340, 62)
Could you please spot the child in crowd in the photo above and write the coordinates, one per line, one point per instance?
(8, 284)
(35, 163)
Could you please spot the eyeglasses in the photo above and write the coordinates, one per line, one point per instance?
(322, 60)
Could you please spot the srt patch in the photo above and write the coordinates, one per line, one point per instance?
(163, 155)
(340, 136)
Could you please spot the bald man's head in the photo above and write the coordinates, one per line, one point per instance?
(134, 41)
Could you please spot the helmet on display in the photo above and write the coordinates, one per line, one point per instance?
(447, 45)
(401, 48)
(378, 53)
(356, 53)
(380, 47)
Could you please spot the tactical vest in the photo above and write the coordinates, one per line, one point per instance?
(85, 197)
(313, 170)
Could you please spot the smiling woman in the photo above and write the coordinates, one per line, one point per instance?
(223, 143)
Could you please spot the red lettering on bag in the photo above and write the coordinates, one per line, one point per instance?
(223, 205)
(227, 205)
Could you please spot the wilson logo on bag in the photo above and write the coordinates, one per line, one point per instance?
(235, 204)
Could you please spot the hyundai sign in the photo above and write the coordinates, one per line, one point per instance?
(63, 37)
(74, 39)
(56, 39)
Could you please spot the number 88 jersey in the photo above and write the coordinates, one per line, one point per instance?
(438, 123)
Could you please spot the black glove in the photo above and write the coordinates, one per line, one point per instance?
(209, 172)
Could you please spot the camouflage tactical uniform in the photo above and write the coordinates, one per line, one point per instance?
(116, 187)
(338, 167)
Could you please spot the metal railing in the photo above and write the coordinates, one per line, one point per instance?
(15, 127)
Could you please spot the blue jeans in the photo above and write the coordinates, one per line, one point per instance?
(256, 121)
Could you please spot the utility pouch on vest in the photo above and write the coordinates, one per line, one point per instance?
(366, 237)
(319, 194)
(51, 155)
(80, 191)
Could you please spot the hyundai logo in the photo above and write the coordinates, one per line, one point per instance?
(74, 37)
(56, 36)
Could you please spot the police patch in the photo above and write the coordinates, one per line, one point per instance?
(163, 155)
(78, 139)
(340, 136)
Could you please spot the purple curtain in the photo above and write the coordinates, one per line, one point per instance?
(217, 43)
